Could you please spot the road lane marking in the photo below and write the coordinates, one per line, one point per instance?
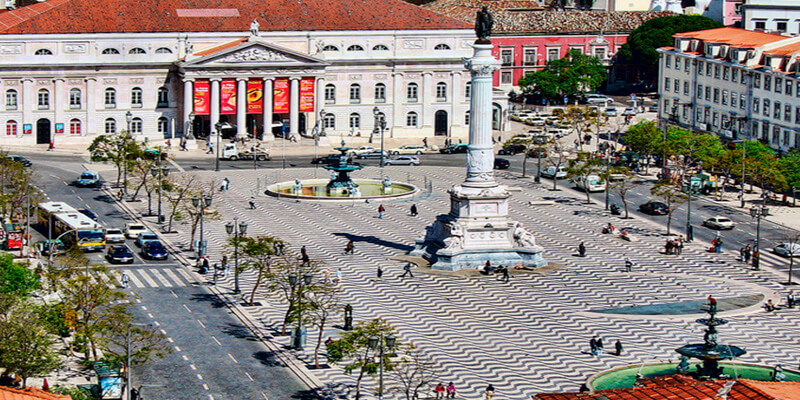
(157, 275)
(173, 294)
(136, 282)
(265, 396)
(156, 323)
(185, 275)
(193, 367)
(185, 358)
(234, 360)
(144, 308)
(169, 339)
(178, 349)
(150, 315)
(250, 377)
(171, 276)
(163, 332)
(215, 339)
(201, 324)
(149, 280)
(187, 308)
(200, 377)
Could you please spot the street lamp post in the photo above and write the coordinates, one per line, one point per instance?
(757, 212)
(238, 229)
(202, 203)
(128, 384)
(387, 342)
(159, 172)
(297, 285)
(538, 140)
(217, 127)
(608, 168)
(380, 123)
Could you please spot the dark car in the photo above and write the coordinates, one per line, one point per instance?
(374, 154)
(501, 163)
(20, 159)
(455, 148)
(329, 159)
(88, 213)
(511, 150)
(154, 250)
(654, 208)
(45, 246)
(119, 255)
(538, 152)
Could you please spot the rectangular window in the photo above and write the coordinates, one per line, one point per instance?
(600, 53)
(778, 85)
(708, 69)
(507, 57)
(781, 26)
(734, 99)
(677, 63)
(708, 93)
(686, 65)
(716, 95)
(700, 68)
(787, 113)
(330, 94)
(734, 74)
(756, 81)
(380, 93)
(668, 61)
(530, 56)
(724, 97)
(767, 82)
(685, 112)
(553, 54)
(789, 86)
(677, 86)
(767, 107)
(506, 77)
(756, 105)
(726, 73)
(797, 89)
(716, 72)
(11, 100)
(686, 88)
(716, 119)
(74, 99)
(797, 115)
(699, 91)
(667, 82)
(776, 112)
(761, 25)
(707, 116)
(742, 104)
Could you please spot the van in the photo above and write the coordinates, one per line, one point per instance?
(591, 183)
(558, 173)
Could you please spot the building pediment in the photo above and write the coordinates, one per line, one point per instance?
(253, 52)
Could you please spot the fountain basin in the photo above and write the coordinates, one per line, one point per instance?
(625, 377)
(316, 190)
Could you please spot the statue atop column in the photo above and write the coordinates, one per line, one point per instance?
(254, 28)
(483, 25)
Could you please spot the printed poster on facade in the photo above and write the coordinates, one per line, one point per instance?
(202, 98)
(228, 96)
(255, 97)
(281, 96)
(307, 95)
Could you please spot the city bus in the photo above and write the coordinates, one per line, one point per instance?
(79, 231)
(46, 213)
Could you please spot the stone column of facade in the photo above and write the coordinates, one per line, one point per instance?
(58, 104)
(427, 91)
(480, 157)
(398, 91)
(456, 118)
(268, 96)
(241, 107)
(319, 100)
(294, 106)
(91, 108)
(27, 104)
(215, 99)
(188, 103)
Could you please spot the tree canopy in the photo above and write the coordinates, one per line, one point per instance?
(573, 75)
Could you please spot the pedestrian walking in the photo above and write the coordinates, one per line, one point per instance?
(381, 210)
(439, 391)
(712, 303)
(338, 279)
(226, 183)
(628, 264)
(599, 347)
(210, 148)
(205, 265)
(582, 250)
(425, 142)
(756, 258)
(790, 299)
(618, 347)
(326, 275)
(489, 392)
(678, 246)
(51, 147)
(407, 270)
(506, 275)
(380, 273)
(451, 391)
(413, 210)
(125, 280)
(770, 307)
(169, 144)
(224, 263)
(183, 145)
(668, 247)
(304, 255)
(252, 203)
(349, 248)
(747, 254)
(741, 253)
(593, 345)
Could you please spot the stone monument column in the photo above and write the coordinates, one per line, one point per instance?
(480, 157)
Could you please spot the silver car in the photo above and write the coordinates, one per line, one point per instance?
(787, 249)
(719, 223)
(403, 160)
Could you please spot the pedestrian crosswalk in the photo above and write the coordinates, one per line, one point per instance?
(158, 277)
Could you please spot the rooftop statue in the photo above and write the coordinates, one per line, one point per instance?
(483, 24)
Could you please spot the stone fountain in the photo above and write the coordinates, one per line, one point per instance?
(710, 352)
(340, 176)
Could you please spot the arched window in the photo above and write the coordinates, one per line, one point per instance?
(468, 90)
(355, 121)
(355, 47)
(329, 121)
(412, 92)
(380, 47)
(466, 118)
(380, 93)
(163, 97)
(111, 126)
(136, 97)
(330, 94)
(43, 52)
(111, 98)
(441, 46)
(163, 50)
(441, 91)
(75, 98)
(330, 47)
(163, 127)
(11, 99)
(75, 127)
(355, 93)
(411, 119)
(43, 99)
(136, 126)
(11, 128)
(110, 50)
(137, 50)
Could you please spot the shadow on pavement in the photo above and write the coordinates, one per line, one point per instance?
(374, 240)
(213, 300)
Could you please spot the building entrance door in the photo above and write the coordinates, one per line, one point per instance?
(440, 123)
(43, 131)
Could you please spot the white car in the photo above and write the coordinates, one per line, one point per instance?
(598, 99)
(132, 230)
(787, 249)
(408, 149)
(361, 150)
(719, 223)
(403, 160)
(611, 111)
(114, 235)
(629, 111)
(535, 121)
(550, 172)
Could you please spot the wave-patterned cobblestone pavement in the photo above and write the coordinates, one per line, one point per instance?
(529, 335)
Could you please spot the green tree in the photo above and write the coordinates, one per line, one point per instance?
(574, 75)
(353, 349)
(625, 181)
(789, 166)
(278, 281)
(15, 278)
(672, 195)
(17, 189)
(580, 119)
(120, 329)
(119, 149)
(255, 253)
(640, 50)
(26, 348)
(581, 167)
(323, 302)
(415, 373)
(644, 138)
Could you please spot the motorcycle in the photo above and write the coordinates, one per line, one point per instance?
(615, 210)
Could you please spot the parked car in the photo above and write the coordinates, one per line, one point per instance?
(154, 250)
(20, 159)
(402, 160)
(88, 213)
(718, 223)
(373, 154)
(120, 254)
(538, 152)
(145, 237)
(132, 230)
(558, 173)
(629, 111)
(511, 150)
(654, 208)
(408, 149)
(44, 247)
(787, 249)
(535, 121)
(454, 148)
(114, 235)
(88, 179)
(329, 159)
(598, 99)
(611, 111)
(653, 107)
(361, 150)
(501, 163)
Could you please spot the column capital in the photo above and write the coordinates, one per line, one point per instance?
(91, 79)
(294, 78)
(28, 80)
(188, 80)
(215, 79)
(58, 79)
(268, 78)
(427, 72)
(400, 74)
(241, 79)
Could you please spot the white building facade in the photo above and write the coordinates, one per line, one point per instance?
(778, 16)
(735, 83)
(68, 85)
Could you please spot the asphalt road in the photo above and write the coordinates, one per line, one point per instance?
(214, 356)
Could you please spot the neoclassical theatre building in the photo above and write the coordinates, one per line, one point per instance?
(74, 69)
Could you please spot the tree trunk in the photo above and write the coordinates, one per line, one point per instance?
(586, 189)
(286, 318)
(358, 381)
(525, 162)
(625, 204)
(669, 221)
(791, 264)
(255, 287)
(319, 342)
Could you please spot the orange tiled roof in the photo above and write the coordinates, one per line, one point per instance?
(130, 16)
(29, 393)
(787, 50)
(221, 47)
(736, 37)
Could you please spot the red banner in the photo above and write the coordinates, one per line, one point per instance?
(281, 96)
(202, 98)
(255, 97)
(307, 95)
(228, 96)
